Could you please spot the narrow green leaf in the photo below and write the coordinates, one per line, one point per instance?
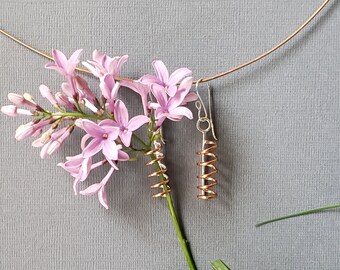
(315, 210)
(219, 265)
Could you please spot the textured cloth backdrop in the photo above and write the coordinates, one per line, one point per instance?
(277, 123)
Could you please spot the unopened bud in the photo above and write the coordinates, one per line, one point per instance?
(10, 110)
(46, 93)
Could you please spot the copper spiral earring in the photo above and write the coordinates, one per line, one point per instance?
(208, 159)
(157, 156)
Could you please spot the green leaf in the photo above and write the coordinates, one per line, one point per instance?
(308, 212)
(219, 265)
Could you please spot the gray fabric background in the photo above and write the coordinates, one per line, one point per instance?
(277, 123)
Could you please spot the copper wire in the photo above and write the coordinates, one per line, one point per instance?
(156, 159)
(207, 79)
(209, 168)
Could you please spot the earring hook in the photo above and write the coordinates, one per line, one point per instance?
(205, 118)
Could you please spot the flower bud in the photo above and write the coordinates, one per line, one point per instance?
(10, 110)
(64, 101)
(28, 97)
(20, 100)
(46, 93)
(16, 98)
(24, 131)
(55, 145)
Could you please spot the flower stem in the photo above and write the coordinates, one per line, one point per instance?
(77, 114)
(315, 210)
(181, 238)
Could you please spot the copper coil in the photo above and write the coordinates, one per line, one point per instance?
(209, 170)
(161, 172)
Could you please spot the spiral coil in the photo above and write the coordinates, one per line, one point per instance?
(208, 170)
(157, 156)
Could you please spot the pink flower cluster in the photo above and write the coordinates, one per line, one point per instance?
(105, 120)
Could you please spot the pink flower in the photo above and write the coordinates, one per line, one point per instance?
(126, 126)
(64, 66)
(140, 88)
(104, 135)
(79, 168)
(162, 77)
(170, 108)
(99, 188)
(109, 87)
(103, 64)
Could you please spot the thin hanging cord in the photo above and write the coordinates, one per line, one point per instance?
(207, 79)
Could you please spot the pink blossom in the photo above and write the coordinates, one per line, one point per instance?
(99, 188)
(170, 107)
(79, 168)
(104, 135)
(64, 66)
(109, 87)
(162, 78)
(126, 126)
(142, 89)
(102, 64)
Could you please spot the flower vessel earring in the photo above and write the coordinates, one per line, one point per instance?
(205, 125)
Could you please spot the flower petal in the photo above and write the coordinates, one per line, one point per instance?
(126, 137)
(122, 156)
(110, 149)
(160, 94)
(93, 189)
(161, 70)
(137, 121)
(112, 132)
(93, 148)
(121, 113)
(151, 79)
(178, 75)
(60, 59)
(186, 84)
(73, 61)
(189, 98)
(171, 90)
(181, 111)
(108, 123)
(161, 119)
(102, 197)
(92, 69)
(92, 128)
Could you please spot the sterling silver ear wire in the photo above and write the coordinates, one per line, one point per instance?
(205, 125)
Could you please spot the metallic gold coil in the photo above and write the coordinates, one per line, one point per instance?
(157, 156)
(208, 170)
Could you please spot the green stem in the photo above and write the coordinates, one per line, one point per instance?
(315, 210)
(79, 115)
(139, 140)
(181, 238)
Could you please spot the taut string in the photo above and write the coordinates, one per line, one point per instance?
(207, 79)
